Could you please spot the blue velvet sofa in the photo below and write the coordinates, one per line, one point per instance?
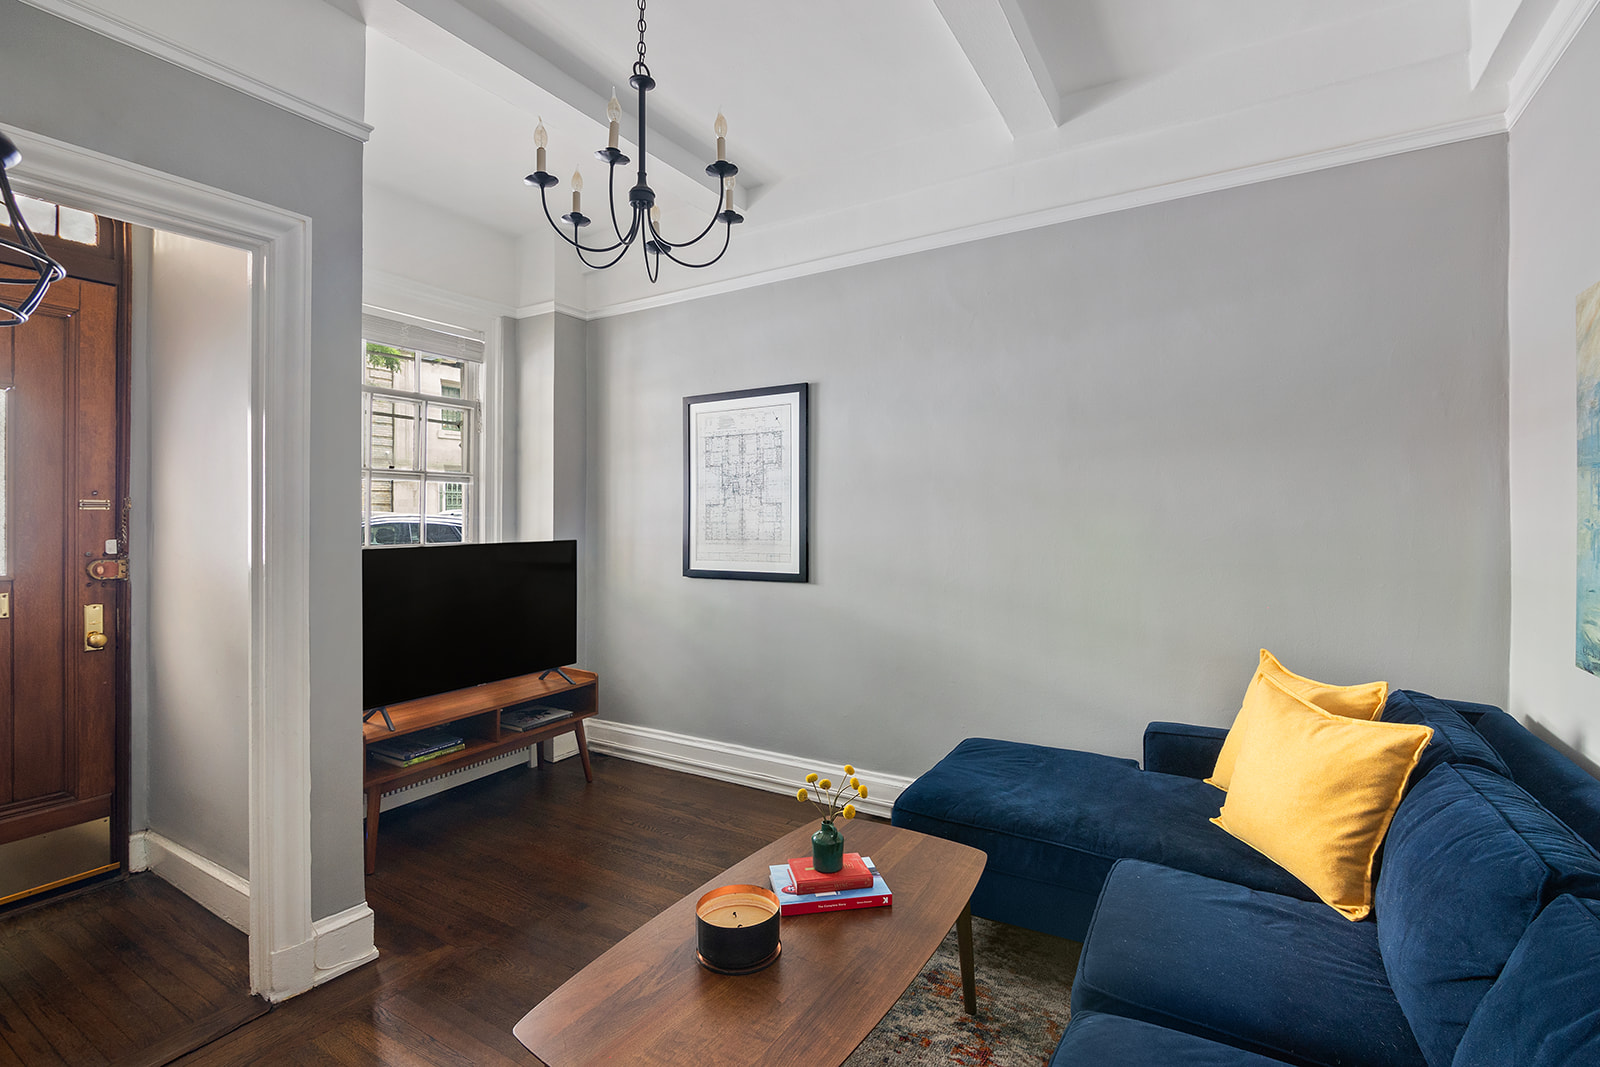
(1483, 946)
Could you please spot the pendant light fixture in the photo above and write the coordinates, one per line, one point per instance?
(26, 269)
(644, 212)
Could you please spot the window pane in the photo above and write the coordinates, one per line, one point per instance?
(40, 215)
(79, 226)
(391, 368)
(446, 512)
(447, 439)
(442, 377)
(395, 514)
(392, 432)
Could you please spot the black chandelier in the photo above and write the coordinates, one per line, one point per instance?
(641, 198)
(26, 269)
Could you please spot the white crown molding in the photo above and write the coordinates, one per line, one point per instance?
(772, 772)
(1558, 33)
(1377, 148)
(385, 289)
(212, 886)
(551, 307)
(124, 32)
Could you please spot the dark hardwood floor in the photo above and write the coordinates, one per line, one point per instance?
(490, 895)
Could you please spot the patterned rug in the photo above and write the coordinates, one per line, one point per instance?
(1023, 982)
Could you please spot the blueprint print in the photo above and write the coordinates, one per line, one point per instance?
(1588, 599)
(745, 485)
(745, 480)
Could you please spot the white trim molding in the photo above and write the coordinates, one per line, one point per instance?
(134, 36)
(344, 941)
(211, 885)
(1554, 37)
(774, 772)
(283, 958)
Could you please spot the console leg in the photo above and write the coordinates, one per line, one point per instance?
(969, 992)
(583, 750)
(374, 799)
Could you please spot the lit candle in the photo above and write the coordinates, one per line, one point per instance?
(727, 186)
(577, 190)
(613, 112)
(540, 139)
(721, 128)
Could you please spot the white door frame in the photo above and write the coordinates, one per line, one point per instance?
(282, 938)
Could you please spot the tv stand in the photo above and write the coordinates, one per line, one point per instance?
(556, 670)
(475, 714)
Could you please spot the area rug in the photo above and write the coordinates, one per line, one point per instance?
(1023, 982)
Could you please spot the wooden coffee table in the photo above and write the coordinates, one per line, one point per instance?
(647, 1000)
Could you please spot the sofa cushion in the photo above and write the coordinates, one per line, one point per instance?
(1315, 792)
(1542, 1010)
(1097, 1040)
(1054, 820)
(1470, 861)
(1454, 739)
(1354, 701)
(1285, 978)
(1566, 789)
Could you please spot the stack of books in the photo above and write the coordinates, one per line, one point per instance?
(412, 749)
(528, 716)
(802, 891)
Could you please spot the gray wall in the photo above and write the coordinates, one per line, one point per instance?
(1555, 244)
(76, 86)
(1070, 480)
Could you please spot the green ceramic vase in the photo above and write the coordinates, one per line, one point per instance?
(827, 848)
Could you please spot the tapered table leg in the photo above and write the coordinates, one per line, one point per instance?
(969, 991)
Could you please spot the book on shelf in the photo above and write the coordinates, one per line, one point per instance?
(530, 716)
(412, 746)
(807, 879)
(414, 760)
(877, 895)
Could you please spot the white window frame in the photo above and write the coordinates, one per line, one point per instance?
(446, 312)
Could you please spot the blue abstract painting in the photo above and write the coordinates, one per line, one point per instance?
(1589, 479)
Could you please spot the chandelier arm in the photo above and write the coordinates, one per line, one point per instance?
(697, 237)
(622, 248)
(611, 197)
(652, 267)
(582, 248)
(726, 237)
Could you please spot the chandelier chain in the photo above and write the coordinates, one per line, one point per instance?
(641, 62)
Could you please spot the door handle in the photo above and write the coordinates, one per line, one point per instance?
(94, 626)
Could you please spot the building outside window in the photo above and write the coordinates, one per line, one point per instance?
(422, 419)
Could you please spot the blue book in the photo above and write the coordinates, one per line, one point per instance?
(876, 895)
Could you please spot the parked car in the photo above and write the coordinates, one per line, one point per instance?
(402, 529)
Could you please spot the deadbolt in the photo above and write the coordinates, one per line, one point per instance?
(94, 626)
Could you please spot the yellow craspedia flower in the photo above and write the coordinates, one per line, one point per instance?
(849, 769)
(855, 783)
(801, 795)
(811, 777)
(862, 790)
(824, 784)
(849, 811)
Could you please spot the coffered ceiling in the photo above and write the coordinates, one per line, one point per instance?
(868, 127)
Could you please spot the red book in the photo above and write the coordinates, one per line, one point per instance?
(853, 875)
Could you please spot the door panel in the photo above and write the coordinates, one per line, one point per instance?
(58, 715)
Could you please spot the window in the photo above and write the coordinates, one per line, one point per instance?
(422, 418)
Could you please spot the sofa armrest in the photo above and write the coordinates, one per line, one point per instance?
(1179, 748)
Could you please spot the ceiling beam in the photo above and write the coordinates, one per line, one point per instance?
(460, 40)
(997, 42)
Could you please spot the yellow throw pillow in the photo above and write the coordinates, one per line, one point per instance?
(1315, 792)
(1355, 701)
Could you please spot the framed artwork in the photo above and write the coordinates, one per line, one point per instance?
(746, 456)
(1588, 621)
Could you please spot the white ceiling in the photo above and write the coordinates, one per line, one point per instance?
(897, 124)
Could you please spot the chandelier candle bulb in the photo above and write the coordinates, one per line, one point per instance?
(721, 128)
(655, 217)
(614, 113)
(540, 139)
(727, 186)
(577, 189)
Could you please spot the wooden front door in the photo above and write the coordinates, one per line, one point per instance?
(62, 640)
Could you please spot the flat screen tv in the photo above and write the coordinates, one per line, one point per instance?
(445, 617)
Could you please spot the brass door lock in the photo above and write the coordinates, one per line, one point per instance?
(108, 570)
(94, 627)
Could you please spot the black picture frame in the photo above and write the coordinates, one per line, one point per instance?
(747, 484)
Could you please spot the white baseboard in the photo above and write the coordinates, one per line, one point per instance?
(339, 942)
(211, 885)
(774, 772)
